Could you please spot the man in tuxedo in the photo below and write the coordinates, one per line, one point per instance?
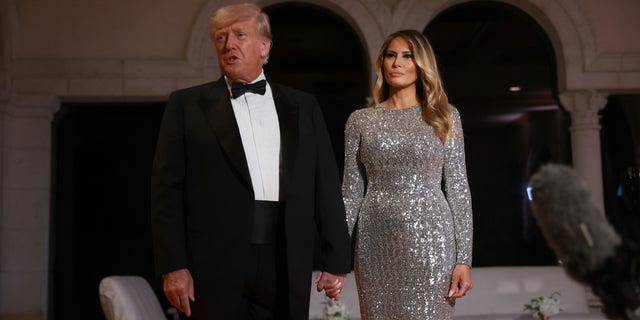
(244, 180)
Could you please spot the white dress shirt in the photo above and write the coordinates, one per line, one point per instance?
(260, 133)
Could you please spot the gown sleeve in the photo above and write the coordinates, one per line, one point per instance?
(456, 189)
(354, 180)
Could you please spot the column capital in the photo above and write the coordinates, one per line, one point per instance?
(584, 106)
(21, 105)
(585, 137)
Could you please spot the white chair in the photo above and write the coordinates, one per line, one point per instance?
(129, 298)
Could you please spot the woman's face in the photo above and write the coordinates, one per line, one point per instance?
(398, 66)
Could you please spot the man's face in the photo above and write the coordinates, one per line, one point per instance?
(241, 50)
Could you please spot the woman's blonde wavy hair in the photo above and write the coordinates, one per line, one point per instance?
(431, 94)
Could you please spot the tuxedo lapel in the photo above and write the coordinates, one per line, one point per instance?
(218, 110)
(288, 120)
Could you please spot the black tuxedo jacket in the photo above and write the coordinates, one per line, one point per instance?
(202, 199)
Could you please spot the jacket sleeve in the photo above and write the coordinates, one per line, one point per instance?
(167, 183)
(329, 209)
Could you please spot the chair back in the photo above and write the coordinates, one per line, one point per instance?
(129, 298)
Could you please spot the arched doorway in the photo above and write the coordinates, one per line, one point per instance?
(498, 68)
(316, 51)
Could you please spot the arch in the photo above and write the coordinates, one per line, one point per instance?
(521, 129)
(305, 57)
(200, 51)
(507, 34)
(562, 20)
(365, 20)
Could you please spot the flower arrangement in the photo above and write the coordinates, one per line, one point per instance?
(544, 307)
(334, 310)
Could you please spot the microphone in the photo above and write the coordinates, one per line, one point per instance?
(590, 250)
(575, 229)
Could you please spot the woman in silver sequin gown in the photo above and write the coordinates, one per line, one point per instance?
(405, 190)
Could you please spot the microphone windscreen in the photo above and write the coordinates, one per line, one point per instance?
(573, 226)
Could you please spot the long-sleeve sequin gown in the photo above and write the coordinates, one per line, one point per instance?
(408, 196)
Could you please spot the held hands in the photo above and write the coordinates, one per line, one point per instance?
(178, 287)
(461, 281)
(332, 284)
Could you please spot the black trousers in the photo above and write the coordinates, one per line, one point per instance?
(266, 288)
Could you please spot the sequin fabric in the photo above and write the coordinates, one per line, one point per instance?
(408, 197)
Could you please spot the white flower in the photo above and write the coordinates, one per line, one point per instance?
(334, 310)
(549, 306)
(546, 306)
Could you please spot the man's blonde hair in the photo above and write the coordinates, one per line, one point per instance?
(239, 12)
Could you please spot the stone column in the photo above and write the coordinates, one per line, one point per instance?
(585, 137)
(25, 176)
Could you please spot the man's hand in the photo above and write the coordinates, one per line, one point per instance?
(332, 284)
(461, 281)
(178, 287)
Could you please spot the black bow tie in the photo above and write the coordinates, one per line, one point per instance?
(238, 89)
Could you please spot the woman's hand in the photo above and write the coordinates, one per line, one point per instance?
(332, 284)
(461, 281)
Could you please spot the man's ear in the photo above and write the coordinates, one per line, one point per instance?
(265, 47)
